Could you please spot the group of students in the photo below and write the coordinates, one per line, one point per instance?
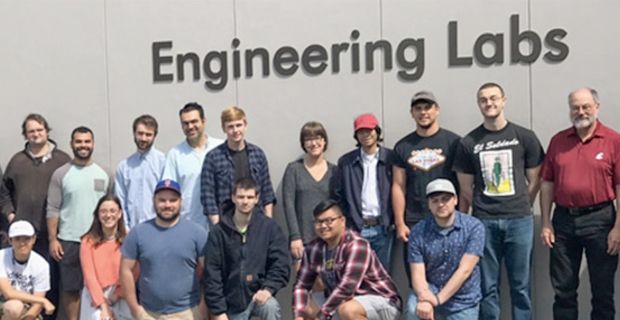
(188, 234)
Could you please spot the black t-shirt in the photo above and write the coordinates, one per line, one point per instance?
(424, 159)
(498, 160)
(330, 277)
(240, 163)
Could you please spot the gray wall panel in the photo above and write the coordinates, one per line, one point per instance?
(90, 63)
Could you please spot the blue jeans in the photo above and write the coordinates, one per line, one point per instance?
(381, 241)
(268, 311)
(465, 314)
(511, 240)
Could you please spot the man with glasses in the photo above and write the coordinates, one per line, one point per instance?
(581, 174)
(497, 166)
(444, 250)
(356, 285)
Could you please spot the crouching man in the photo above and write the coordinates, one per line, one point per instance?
(444, 250)
(356, 284)
(24, 276)
(247, 259)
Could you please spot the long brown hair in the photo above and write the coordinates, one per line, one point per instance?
(96, 230)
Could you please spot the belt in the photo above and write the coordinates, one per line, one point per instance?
(371, 222)
(586, 210)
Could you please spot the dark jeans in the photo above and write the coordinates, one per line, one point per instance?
(573, 234)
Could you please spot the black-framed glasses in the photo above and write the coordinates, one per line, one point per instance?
(327, 221)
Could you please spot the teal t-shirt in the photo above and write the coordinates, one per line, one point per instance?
(72, 197)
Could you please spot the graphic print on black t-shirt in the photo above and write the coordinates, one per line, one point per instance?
(330, 277)
(426, 159)
(498, 172)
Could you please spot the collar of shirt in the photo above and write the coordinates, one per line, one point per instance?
(45, 157)
(381, 155)
(145, 154)
(369, 158)
(457, 225)
(599, 132)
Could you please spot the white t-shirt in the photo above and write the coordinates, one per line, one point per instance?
(32, 276)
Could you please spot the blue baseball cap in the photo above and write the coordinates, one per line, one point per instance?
(168, 184)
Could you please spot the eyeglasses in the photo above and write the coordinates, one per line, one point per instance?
(327, 221)
(586, 108)
(313, 140)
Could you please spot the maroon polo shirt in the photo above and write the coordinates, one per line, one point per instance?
(584, 173)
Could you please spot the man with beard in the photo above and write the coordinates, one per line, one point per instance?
(420, 157)
(137, 175)
(497, 166)
(72, 197)
(581, 175)
(363, 187)
(170, 252)
(184, 162)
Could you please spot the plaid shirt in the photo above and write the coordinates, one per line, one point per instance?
(218, 174)
(358, 272)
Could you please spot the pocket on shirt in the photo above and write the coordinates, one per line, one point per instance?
(100, 185)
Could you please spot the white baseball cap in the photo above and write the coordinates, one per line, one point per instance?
(21, 228)
(440, 185)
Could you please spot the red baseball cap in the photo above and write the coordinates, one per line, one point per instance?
(365, 121)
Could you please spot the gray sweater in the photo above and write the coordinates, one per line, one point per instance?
(300, 194)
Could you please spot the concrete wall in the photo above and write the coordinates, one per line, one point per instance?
(91, 63)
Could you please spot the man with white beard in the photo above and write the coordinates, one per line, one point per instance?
(581, 175)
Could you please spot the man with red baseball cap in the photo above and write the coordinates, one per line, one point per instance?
(363, 185)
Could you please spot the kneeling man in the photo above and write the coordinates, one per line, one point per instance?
(247, 259)
(444, 250)
(356, 284)
(24, 276)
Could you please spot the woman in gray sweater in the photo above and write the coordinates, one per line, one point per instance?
(306, 182)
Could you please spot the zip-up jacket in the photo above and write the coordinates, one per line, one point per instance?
(347, 188)
(238, 265)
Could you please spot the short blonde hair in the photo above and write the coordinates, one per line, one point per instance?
(232, 114)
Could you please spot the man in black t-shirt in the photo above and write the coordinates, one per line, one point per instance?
(420, 157)
(497, 165)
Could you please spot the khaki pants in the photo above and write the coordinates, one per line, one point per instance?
(189, 314)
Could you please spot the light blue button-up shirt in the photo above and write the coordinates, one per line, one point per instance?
(184, 165)
(136, 178)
